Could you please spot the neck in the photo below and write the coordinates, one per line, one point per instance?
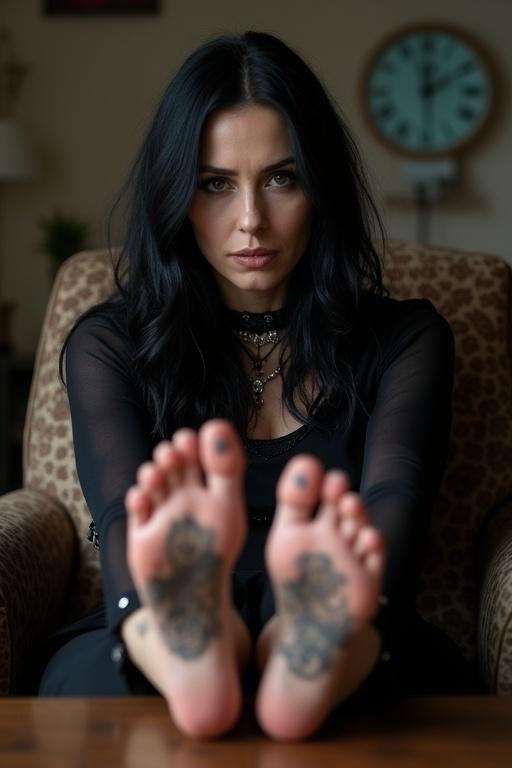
(259, 309)
(256, 302)
(258, 322)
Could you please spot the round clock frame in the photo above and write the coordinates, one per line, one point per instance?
(478, 53)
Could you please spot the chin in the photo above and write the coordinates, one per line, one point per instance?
(259, 285)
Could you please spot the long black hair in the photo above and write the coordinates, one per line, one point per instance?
(186, 363)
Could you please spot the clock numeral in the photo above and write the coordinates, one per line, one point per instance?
(468, 66)
(427, 43)
(472, 90)
(386, 112)
(403, 129)
(406, 51)
(466, 113)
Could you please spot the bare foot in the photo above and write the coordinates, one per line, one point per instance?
(326, 575)
(183, 540)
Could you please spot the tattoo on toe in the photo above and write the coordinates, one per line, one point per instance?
(186, 601)
(221, 445)
(320, 621)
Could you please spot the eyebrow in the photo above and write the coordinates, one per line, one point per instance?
(229, 172)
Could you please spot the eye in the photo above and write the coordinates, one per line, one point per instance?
(214, 184)
(283, 179)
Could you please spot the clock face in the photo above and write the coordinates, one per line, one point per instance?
(428, 92)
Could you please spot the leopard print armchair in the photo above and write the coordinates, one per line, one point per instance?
(49, 571)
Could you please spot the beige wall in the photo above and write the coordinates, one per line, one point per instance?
(94, 81)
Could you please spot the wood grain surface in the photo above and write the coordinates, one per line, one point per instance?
(452, 731)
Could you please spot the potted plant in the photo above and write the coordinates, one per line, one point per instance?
(63, 235)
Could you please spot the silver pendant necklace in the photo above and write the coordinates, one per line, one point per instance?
(258, 380)
(259, 329)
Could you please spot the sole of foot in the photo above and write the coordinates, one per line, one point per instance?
(326, 573)
(184, 536)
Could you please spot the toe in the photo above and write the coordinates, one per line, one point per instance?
(370, 548)
(170, 460)
(138, 505)
(375, 563)
(186, 443)
(223, 458)
(335, 484)
(352, 515)
(298, 489)
(153, 481)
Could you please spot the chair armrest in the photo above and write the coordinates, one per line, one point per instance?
(37, 550)
(495, 601)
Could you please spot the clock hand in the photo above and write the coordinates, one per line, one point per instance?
(443, 82)
(425, 84)
(426, 101)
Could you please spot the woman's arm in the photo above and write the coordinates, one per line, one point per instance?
(111, 440)
(407, 440)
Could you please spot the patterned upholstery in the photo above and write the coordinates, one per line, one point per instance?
(494, 624)
(466, 586)
(472, 291)
(38, 548)
(48, 456)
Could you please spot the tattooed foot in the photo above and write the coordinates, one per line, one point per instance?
(184, 535)
(326, 575)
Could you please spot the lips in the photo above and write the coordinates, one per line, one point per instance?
(255, 258)
(253, 252)
(255, 262)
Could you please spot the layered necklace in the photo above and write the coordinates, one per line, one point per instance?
(259, 329)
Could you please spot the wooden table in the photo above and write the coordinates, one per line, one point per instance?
(459, 732)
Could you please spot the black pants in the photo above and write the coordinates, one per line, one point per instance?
(422, 659)
(80, 655)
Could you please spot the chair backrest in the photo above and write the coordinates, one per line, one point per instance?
(48, 456)
(471, 290)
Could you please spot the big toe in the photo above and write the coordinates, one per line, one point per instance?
(223, 458)
(298, 489)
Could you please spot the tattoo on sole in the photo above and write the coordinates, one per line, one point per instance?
(320, 621)
(142, 627)
(186, 602)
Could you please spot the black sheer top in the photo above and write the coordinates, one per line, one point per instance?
(394, 450)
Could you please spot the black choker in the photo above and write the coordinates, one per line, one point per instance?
(258, 322)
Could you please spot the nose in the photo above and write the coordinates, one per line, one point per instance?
(251, 214)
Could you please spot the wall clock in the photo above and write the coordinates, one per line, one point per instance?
(428, 91)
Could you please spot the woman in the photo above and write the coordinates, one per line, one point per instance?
(250, 356)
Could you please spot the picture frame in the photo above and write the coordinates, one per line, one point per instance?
(99, 7)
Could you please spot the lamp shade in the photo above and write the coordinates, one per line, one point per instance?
(16, 156)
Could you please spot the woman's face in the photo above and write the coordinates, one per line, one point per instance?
(248, 197)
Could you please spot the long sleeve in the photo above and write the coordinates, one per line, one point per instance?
(407, 438)
(111, 440)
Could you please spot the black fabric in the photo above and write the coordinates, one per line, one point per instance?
(394, 451)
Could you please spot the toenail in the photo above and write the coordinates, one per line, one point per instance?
(221, 445)
(300, 480)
